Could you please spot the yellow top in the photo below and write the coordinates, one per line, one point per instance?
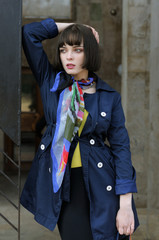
(76, 159)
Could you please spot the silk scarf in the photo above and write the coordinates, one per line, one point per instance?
(70, 112)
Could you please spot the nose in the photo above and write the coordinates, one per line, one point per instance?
(69, 55)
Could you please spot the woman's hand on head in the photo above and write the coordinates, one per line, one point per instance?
(95, 33)
(62, 26)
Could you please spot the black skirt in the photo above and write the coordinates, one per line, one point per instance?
(74, 220)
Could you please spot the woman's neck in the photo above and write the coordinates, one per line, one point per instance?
(82, 75)
(90, 90)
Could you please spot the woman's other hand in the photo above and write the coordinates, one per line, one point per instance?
(125, 215)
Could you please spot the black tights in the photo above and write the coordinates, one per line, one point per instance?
(70, 226)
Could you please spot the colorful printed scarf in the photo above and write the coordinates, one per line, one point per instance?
(70, 113)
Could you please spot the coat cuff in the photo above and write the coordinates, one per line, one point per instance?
(50, 26)
(124, 186)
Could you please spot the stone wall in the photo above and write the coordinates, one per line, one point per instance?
(153, 164)
(140, 92)
(136, 105)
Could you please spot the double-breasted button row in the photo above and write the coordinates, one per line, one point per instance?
(100, 165)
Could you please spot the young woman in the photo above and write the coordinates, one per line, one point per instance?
(76, 180)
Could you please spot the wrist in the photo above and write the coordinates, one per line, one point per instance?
(126, 200)
(62, 26)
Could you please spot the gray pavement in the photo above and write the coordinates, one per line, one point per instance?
(30, 229)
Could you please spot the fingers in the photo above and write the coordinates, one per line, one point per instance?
(127, 230)
(95, 33)
(125, 221)
(132, 228)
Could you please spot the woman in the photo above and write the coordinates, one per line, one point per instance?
(76, 180)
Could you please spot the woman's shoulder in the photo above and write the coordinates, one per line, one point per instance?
(108, 92)
(103, 85)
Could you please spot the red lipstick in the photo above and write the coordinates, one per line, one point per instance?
(70, 66)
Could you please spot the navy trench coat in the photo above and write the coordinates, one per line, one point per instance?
(107, 170)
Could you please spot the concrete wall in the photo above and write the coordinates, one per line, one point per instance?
(153, 164)
(140, 91)
(135, 86)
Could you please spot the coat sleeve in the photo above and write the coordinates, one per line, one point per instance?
(32, 36)
(120, 148)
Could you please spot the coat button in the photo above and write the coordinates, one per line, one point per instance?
(109, 188)
(100, 164)
(42, 146)
(103, 114)
(92, 141)
(49, 170)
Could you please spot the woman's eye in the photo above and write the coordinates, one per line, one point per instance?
(62, 50)
(78, 50)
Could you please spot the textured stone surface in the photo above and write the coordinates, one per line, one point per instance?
(137, 64)
(96, 12)
(40, 8)
(82, 13)
(153, 183)
(138, 94)
(138, 46)
(138, 21)
(138, 3)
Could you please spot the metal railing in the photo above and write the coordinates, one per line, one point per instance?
(17, 186)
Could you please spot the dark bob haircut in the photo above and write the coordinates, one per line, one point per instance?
(75, 34)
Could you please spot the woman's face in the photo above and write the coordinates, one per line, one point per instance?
(72, 59)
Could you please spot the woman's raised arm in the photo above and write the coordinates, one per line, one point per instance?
(32, 36)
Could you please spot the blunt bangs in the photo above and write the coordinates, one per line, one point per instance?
(71, 36)
(76, 34)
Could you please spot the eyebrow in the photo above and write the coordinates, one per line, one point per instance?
(74, 46)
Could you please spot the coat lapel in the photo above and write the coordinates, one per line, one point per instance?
(91, 105)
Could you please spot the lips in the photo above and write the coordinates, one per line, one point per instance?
(70, 66)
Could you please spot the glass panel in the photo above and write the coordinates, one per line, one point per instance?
(60, 9)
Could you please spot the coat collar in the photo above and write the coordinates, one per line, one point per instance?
(65, 80)
(101, 85)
